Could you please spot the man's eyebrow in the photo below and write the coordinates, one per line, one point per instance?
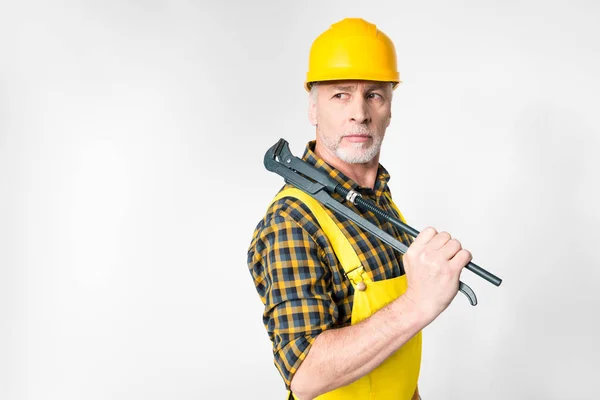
(349, 88)
(376, 86)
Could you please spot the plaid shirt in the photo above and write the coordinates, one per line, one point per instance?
(297, 275)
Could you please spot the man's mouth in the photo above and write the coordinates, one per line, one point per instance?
(357, 138)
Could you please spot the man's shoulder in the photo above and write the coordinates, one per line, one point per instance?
(287, 208)
(286, 212)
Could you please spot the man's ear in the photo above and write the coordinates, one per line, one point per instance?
(389, 120)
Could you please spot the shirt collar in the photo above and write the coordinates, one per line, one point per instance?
(379, 189)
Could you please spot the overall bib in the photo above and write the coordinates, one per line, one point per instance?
(396, 378)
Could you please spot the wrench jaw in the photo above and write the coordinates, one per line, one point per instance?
(274, 154)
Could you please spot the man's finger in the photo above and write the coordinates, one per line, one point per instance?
(450, 249)
(439, 241)
(462, 258)
(425, 236)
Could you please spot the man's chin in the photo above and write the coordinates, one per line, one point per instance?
(352, 156)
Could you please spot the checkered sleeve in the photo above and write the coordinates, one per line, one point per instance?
(294, 282)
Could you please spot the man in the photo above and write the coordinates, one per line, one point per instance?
(340, 331)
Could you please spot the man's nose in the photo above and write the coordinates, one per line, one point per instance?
(359, 111)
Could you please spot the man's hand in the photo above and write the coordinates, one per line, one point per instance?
(433, 264)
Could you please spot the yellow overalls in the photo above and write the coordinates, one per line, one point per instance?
(396, 378)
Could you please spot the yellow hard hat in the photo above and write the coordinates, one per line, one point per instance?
(352, 49)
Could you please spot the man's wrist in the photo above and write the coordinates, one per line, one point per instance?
(408, 315)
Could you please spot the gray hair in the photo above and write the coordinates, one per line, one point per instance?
(313, 92)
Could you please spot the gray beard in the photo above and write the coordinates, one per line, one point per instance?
(361, 157)
(349, 156)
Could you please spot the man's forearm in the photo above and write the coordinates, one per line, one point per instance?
(338, 357)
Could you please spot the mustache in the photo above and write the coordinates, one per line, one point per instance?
(358, 130)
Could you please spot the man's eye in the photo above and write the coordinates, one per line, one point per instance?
(340, 96)
(374, 96)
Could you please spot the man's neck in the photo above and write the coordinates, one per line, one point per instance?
(363, 174)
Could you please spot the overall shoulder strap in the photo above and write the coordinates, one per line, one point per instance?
(341, 246)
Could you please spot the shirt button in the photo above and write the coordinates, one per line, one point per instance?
(361, 286)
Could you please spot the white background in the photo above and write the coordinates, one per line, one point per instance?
(131, 178)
